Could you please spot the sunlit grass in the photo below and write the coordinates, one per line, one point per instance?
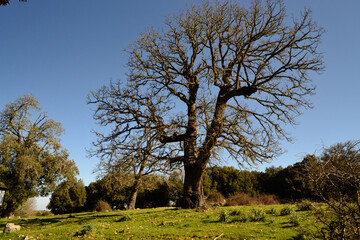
(165, 223)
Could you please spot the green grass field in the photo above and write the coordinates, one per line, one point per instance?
(243, 222)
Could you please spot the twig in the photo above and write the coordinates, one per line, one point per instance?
(219, 236)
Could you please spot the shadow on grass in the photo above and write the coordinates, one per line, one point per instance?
(75, 218)
(287, 225)
(27, 222)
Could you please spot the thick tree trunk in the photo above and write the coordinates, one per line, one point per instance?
(132, 201)
(134, 192)
(9, 209)
(193, 190)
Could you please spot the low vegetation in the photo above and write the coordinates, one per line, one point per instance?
(241, 222)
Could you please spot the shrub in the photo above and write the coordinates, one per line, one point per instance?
(239, 199)
(215, 199)
(236, 213)
(102, 206)
(305, 205)
(241, 218)
(44, 213)
(257, 215)
(86, 229)
(27, 209)
(339, 220)
(286, 211)
(267, 199)
(294, 220)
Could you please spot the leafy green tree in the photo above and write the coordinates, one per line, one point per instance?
(290, 184)
(217, 77)
(156, 193)
(175, 185)
(32, 160)
(68, 197)
(113, 188)
(229, 180)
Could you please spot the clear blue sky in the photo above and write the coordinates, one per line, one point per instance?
(61, 50)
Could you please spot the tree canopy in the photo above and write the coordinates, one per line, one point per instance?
(217, 78)
(68, 197)
(32, 160)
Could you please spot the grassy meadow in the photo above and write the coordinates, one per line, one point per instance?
(241, 222)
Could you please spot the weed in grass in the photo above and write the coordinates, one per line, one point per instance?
(242, 219)
(271, 211)
(124, 218)
(286, 211)
(223, 217)
(295, 220)
(86, 230)
(257, 215)
(239, 217)
(236, 213)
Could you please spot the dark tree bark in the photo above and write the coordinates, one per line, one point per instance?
(193, 193)
(133, 197)
(135, 188)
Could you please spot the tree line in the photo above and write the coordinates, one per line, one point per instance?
(287, 185)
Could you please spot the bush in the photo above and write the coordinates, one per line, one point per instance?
(257, 215)
(215, 199)
(305, 205)
(286, 211)
(44, 214)
(102, 206)
(335, 177)
(294, 220)
(239, 199)
(339, 220)
(86, 230)
(235, 213)
(268, 199)
(27, 209)
(223, 217)
(241, 217)
(271, 211)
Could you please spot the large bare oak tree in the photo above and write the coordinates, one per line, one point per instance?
(217, 78)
